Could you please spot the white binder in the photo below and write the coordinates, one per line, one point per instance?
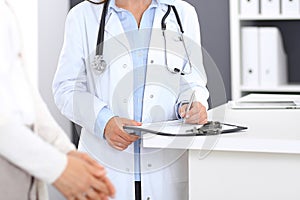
(290, 7)
(270, 7)
(249, 7)
(273, 61)
(250, 56)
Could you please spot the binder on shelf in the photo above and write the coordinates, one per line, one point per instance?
(273, 60)
(249, 7)
(290, 7)
(250, 56)
(270, 7)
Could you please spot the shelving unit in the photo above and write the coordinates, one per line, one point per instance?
(288, 26)
(280, 17)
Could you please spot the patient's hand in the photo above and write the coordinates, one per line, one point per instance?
(84, 178)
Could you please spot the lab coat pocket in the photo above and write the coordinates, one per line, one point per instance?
(161, 94)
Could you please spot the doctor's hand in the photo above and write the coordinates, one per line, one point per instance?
(116, 136)
(84, 178)
(196, 115)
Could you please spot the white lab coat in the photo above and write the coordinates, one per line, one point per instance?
(80, 94)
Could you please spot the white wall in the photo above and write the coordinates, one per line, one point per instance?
(51, 20)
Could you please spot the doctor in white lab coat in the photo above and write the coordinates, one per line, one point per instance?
(81, 94)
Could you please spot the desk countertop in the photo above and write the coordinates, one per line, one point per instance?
(269, 131)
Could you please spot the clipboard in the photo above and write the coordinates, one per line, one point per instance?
(178, 128)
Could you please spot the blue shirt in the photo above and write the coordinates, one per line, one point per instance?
(139, 39)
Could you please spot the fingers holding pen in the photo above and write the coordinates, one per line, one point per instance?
(196, 115)
(182, 111)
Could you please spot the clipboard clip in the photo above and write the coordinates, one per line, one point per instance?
(210, 128)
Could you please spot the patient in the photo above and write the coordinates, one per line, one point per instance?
(33, 148)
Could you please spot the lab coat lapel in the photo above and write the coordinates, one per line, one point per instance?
(160, 12)
(117, 53)
(156, 41)
(114, 28)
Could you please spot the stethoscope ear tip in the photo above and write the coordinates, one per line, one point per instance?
(176, 70)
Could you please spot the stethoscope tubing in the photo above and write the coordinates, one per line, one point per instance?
(100, 39)
(99, 62)
(97, 3)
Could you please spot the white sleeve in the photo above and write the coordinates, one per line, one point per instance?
(70, 86)
(48, 129)
(43, 155)
(29, 152)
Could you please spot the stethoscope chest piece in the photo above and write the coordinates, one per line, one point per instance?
(99, 64)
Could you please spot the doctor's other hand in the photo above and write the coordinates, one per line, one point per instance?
(196, 115)
(83, 178)
(116, 136)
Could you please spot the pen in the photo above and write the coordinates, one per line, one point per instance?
(190, 104)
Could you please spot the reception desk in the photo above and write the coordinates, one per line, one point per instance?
(261, 163)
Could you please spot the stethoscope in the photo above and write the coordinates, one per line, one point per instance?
(99, 64)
